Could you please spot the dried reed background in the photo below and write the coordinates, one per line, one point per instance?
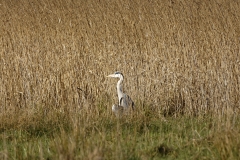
(177, 57)
(164, 49)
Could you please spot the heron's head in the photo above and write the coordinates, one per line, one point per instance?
(116, 75)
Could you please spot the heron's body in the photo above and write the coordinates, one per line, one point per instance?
(125, 103)
(117, 110)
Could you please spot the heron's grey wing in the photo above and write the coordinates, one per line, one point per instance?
(126, 101)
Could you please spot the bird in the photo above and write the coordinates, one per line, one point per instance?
(124, 101)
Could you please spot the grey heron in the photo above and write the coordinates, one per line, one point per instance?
(124, 101)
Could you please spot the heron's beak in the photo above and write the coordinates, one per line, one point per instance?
(111, 75)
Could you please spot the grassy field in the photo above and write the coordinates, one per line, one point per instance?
(180, 60)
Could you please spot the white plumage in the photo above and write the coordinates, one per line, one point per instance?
(125, 103)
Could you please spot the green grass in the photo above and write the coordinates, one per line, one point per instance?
(138, 136)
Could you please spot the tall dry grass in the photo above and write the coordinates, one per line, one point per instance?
(177, 57)
(169, 51)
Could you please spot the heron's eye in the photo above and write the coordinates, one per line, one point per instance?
(117, 72)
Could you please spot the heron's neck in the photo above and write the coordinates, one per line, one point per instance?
(120, 88)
